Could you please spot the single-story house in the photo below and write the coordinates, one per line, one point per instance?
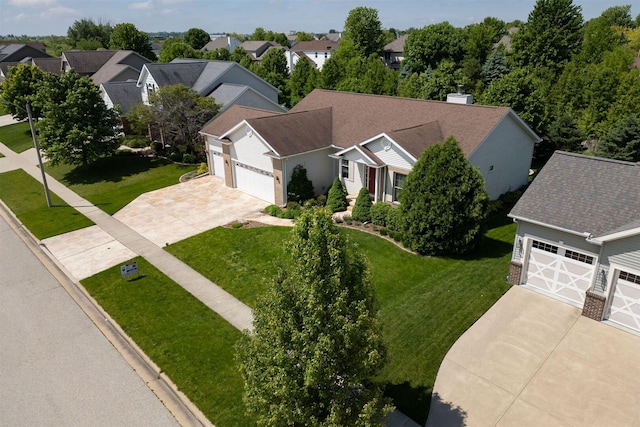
(124, 94)
(368, 141)
(578, 236)
(228, 82)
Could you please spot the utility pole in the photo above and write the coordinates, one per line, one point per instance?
(35, 142)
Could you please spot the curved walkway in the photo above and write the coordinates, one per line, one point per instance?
(535, 361)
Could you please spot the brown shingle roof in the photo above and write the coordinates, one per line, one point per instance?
(416, 139)
(295, 133)
(315, 46)
(358, 117)
(231, 117)
(86, 62)
(397, 45)
(50, 65)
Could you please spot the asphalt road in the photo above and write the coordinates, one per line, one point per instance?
(56, 367)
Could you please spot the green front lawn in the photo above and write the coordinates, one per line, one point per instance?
(24, 195)
(17, 136)
(113, 182)
(188, 341)
(426, 303)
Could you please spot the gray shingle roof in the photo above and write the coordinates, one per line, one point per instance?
(87, 62)
(583, 194)
(124, 64)
(397, 45)
(124, 94)
(173, 73)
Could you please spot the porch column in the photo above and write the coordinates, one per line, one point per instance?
(376, 186)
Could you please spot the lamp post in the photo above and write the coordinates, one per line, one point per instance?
(27, 109)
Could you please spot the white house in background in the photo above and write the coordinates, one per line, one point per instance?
(367, 140)
(228, 82)
(578, 237)
(316, 52)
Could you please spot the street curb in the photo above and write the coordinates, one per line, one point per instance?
(176, 402)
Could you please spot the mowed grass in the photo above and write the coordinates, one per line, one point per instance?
(25, 196)
(17, 136)
(425, 303)
(112, 182)
(188, 341)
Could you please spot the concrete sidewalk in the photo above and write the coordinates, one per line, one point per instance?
(535, 361)
(220, 301)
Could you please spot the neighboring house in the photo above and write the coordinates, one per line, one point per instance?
(578, 237)
(226, 42)
(394, 53)
(317, 52)
(505, 40)
(50, 65)
(367, 140)
(227, 82)
(257, 49)
(122, 66)
(124, 94)
(15, 53)
(334, 37)
(85, 62)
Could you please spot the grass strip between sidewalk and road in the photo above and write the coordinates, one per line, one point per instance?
(111, 183)
(426, 303)
(25, 196)
(17, 136)
(190, 343)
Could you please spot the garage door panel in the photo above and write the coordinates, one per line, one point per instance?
(218, 164)
(554, 273)
(254, 182)
(625, 306)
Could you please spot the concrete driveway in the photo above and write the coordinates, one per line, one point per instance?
(534, 361)
(163, 216)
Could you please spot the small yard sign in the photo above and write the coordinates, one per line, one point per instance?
(129, 269)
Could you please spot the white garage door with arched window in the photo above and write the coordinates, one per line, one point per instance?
(625, 300)
(254, 181)
(218, 163)
(559, 271)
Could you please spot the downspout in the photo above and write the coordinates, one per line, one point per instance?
(284, 181)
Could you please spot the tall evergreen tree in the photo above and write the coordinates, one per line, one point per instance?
(623, 141)
(316, 341)
(443, 202)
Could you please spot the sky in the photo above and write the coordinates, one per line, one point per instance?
(54, 17)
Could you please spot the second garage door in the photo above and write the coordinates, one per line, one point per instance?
(254, 181)
(559, 271)
(218, 163)
(625, 306)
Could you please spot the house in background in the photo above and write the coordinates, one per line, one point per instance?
(124, 94)
(16, 53)
(257, 49)
(228, 82)
(317, 52)
(368, 141)
(393, 53)
(122, 66)
(578, 236)
(222, 42)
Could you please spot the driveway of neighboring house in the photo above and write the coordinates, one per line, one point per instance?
(535, 361)
(162, 216)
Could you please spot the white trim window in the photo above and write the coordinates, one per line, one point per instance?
(346, 169)
(398, 184)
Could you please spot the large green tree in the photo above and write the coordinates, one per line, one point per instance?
(364, 30)
(302, 81)
(126, 36)
(181, 112)
(316, 342)
(177, 48)
(83, 32)
(550, 36)
(273, 68)
(197, 38)
(622, 142)
(76, 127)
(19, 88)
(425, 48)
(619, 16)
(443, 202)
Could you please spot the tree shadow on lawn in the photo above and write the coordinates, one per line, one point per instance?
(112, 169)
(417, 403)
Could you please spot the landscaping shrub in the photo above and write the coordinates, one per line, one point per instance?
(293, 205)
(135, 141)
(202, 169)
(362, 208)
(237, 225)
(384, 231)
(189, 158)
(337, 199)
(379, 212)
(393, 218)
(321, 200)
(157, 147)
(299, 188)
(272, 210)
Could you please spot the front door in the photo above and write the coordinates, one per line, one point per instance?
(371, 185)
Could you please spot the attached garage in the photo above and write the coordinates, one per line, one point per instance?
(562, 272)
(218, 163)
(254, 181)
(625, 302)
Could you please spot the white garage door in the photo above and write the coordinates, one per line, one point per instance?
(625, 306)
(218, 164)
(559, 271)
(254, 181)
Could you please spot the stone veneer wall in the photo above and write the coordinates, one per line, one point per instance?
(594, 306)
(515, 272)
